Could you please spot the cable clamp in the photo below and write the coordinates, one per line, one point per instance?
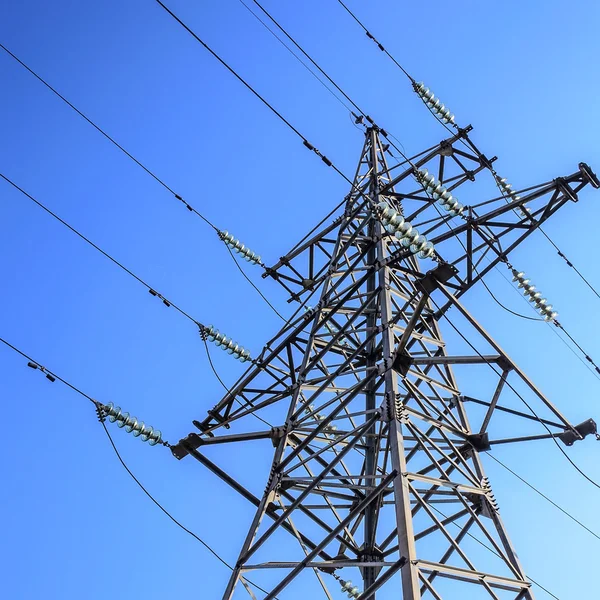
(51, 378)
(157, 295)
(100, 412)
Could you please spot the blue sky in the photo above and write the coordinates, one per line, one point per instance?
(74, 524)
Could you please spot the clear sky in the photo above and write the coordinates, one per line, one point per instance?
(73, 523)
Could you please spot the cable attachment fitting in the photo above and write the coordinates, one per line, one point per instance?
(535, 296)
(404, 232)
(220, 340)
(157, 295)
(51, 378)
(438, 192)
(433, 103)
(131, 424)
(238, 247)
(100, 412)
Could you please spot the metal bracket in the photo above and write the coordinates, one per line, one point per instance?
(587, 172)
(402, 363)
(479, 441)
(583, 429)
(433, 278)
(179, 451)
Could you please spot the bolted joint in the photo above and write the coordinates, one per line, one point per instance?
(276, 434)
(402, 363)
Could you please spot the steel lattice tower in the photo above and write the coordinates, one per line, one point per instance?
(377, 472)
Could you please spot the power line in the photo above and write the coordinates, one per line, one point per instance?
(157, 503)
(169, 515)
(122, 461)
(282, 42)
(123, 150)
(96, 247)
(470, 146)
(569, 263)
(566, 512)
(109, 137)
(232, 71)
(53, 376)
(552, 328)
(322, 71)
(376, 41)
(276, 23)
(305, 142)
(492, 551)
(587, 356)
(237, 264)
(552, 437)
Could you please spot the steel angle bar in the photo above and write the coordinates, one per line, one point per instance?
(359, 508)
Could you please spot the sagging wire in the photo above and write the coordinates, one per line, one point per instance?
(553, 329)
(537, 491)
(112, 140)
(282, 42)
(103, 411)
(475, 538)
(552, 320)
(214, 335)
(150, 289)
(237, 264)
(509, 385)
(444, 116)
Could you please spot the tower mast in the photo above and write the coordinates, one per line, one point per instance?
(364, 408)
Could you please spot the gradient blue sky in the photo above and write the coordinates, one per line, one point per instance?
(73, 523)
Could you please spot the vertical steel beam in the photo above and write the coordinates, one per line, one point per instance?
(404, 523)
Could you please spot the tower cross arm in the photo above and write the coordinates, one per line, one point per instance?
(493, 229)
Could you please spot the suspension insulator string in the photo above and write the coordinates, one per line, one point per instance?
(349, 588)
(220, 340)
(439, 192)
(404, 232)
(131, 424)
(534, 295)
(238, 247)
(434, 104)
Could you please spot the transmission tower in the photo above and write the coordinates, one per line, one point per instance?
(378, 425)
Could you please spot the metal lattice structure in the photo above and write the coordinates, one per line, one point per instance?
(377, 423)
